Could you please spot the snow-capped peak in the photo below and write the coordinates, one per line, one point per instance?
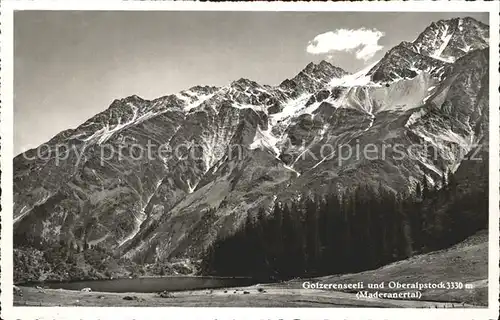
(445, 40)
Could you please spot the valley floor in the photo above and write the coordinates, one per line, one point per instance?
(234, 297)
(465, 262)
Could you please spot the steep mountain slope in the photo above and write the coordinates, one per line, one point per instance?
(152, 180)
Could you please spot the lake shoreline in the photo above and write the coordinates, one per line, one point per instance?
(465, 262)
(269, 295)
(147, 284)
(42, 283)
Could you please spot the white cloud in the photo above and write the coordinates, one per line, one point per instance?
(363, 41)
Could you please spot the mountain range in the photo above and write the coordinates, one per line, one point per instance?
(236, 149)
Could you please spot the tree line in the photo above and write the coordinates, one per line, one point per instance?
(349, 232)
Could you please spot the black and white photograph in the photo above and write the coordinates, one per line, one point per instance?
(252, 158)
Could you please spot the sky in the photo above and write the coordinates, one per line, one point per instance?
(70, 65)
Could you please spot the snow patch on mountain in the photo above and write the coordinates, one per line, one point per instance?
(25, 209)
(191, 188)
(414, 117)
(360, 78)
(320, 162)
(196, 103)
(142, 215)
(292, 169)
(260, 108)
(103, 134)
(139, 219)
(291, 108)
(445, 38)
(264, 139)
